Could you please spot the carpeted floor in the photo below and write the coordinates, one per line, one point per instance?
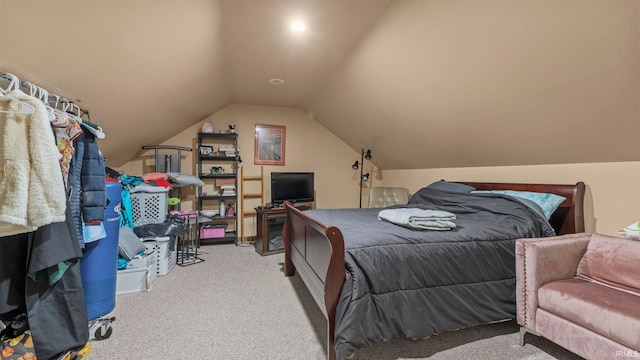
(238, 305)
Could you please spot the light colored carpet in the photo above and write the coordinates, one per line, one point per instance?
(238, 305)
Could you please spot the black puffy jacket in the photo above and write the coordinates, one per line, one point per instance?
(87, 187)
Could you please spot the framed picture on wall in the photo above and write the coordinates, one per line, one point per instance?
(269, 145)
(206, 150)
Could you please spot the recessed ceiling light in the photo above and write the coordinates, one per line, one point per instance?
(297, 26)
(276, 81)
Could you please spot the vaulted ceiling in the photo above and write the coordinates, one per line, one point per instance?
(424, 83)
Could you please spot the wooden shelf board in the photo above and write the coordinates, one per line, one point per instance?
(217, 158)
(216, 197)
(219, 176)
(228, 136)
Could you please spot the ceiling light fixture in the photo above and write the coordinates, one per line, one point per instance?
(297, 26)
(276, 81)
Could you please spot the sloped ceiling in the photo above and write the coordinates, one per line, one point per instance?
(424, 84)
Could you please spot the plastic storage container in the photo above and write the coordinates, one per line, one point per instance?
(135, 280)
(100, 258)
(147, 260)
(166, 258)
(149, 207)
(212, 231)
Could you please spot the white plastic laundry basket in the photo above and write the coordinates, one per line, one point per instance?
(149, 207)
(166, 257)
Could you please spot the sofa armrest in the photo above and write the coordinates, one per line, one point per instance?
(542, 260)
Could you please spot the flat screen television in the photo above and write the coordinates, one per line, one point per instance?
(295, 187)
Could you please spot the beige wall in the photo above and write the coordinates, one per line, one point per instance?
(309, 147)
(545, 79)
(612, 200)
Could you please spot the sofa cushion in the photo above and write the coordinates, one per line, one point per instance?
(611, 313)
(580, 340)
(613, 261)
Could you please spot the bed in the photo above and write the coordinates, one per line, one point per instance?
(374, 280)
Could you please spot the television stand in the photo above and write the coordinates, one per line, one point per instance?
(270, 222)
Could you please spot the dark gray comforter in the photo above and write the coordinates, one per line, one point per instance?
(403, 282)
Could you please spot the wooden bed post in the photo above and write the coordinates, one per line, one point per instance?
(333, 285)
(316, 251)
(577, 208)
(288, 268)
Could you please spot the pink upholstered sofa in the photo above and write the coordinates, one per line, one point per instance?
(581, 291)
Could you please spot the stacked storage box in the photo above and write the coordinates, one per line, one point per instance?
(138, 275)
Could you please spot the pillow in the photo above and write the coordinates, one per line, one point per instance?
(547, 202)
(450, 187)
(185, 179)
(441, 185)
(129, 244)
(611, 260)
(531, 204)
(155, 176)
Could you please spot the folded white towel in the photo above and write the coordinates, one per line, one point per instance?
(419, 219)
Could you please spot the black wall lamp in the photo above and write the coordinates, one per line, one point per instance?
(360, 165)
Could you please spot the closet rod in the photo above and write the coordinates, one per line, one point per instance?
(25, 85)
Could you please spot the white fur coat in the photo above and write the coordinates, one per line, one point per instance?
(32, 192)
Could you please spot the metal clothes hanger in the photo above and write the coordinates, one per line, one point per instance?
(14, 84)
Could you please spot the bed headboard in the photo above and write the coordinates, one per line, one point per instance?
(567, 219)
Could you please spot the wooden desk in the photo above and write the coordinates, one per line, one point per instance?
(269, 230)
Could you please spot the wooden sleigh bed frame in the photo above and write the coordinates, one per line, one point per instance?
(317, 251)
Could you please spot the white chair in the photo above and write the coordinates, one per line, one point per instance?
(381, 196)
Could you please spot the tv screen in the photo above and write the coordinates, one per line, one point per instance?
(291, 186)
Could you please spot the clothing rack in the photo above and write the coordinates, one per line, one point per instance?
(29, 286)
(59, 101)
(166, 162)
(27, 85)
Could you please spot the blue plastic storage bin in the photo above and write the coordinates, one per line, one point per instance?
(100, 261)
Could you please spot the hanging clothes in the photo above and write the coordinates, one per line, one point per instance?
(32, 192)
(65, 136)
(126, 213)
(40, 275)
(87, 191)
(13, 272)
(40, 272)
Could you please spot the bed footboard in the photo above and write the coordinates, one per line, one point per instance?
(317, 252)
